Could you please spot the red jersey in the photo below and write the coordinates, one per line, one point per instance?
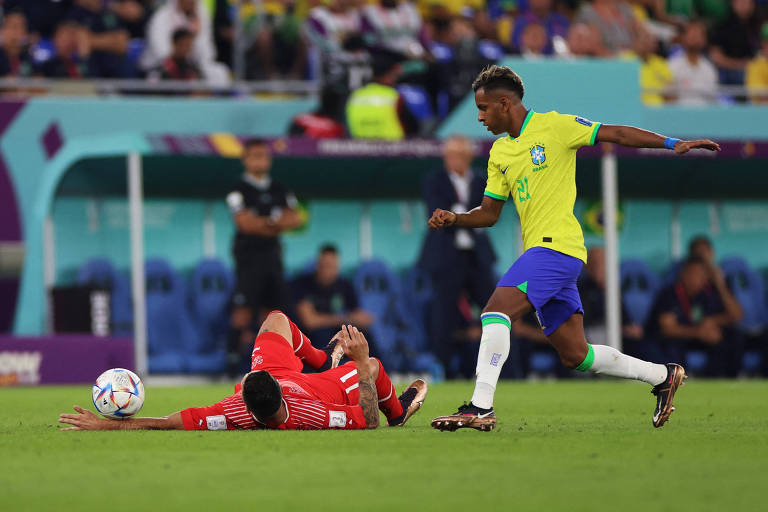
(313, 401)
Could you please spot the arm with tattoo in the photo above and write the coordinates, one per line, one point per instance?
(369, 400)
(356, 348)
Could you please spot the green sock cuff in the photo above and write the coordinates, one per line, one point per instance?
(495, 318)
(586, 364)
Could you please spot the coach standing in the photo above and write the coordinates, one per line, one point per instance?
(458, 260)
(261, 209)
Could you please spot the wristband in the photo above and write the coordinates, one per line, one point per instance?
(670, 142)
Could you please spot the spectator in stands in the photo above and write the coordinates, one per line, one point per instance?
(533, 41)
(592, 290)
(15, 60)
(377, 111)
(695, 78)
(261, 209)
(108, 38)
(654, 71)
(757, 71)
(133, 14)
(735, 41)
(585, 41)
(322, 123)
(717, 289)
(438, 14)
(333, 31)
(685, 317)
(193, 16)
(272, 35)
(541, 13)
(394, 25)
(179, 65)
(615, 22)
(324, 300)
(458, 260)
(73, 49)
(43, 16)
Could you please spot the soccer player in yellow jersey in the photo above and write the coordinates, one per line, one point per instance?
(535, 165)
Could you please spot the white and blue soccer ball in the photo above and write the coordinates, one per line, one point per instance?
(118, 393)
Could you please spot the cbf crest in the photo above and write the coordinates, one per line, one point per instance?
(538, 157)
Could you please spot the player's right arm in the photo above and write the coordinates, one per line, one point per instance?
(86, 420)
(356, 348)
(485, 215)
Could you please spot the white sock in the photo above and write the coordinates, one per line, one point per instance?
(494, 349)
(609, 361)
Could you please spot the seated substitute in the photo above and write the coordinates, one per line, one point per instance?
(324, 300)
(276, 395)
(686, 316)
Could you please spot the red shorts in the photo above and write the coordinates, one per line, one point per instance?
(273, 353)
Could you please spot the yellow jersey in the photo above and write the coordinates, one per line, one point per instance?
(538, 169)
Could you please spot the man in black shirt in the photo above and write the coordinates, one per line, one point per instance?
(686, 315)
(261, 209)
(735, 41)
(324, 300)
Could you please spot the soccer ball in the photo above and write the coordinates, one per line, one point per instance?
(118, 393)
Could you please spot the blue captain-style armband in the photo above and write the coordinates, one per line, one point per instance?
(670, 142)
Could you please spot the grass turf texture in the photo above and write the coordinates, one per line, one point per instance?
(559, 446)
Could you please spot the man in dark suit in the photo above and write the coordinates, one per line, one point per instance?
(459, 260)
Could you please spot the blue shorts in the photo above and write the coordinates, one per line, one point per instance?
(549, 279)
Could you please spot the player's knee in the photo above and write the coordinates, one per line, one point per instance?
(571, 358)
(276, 321)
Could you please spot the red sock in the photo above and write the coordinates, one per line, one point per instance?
(388, 402)
(303, 348)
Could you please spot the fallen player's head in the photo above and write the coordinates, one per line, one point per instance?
(262, 395)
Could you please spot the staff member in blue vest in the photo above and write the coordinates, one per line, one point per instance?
(376, 110)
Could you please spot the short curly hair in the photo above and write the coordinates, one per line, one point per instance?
(499, 77)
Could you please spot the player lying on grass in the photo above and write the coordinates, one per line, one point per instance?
(535, 163)
(276, 395)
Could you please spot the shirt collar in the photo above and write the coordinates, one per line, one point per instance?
(261, 184)
(527, 119)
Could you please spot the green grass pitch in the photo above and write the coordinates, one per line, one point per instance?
(578, 445)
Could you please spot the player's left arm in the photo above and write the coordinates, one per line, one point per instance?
(639, 138)
(86, 420)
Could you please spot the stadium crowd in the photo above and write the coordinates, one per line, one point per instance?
(687, 47)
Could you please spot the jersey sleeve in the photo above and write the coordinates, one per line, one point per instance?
(576, 131)
(496, 187)
(206, 418)
(235, 201)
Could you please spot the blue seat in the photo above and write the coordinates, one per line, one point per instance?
(378, 289)
(696, 361)
(490, 50)
(170, 331)
(748, 289)
(543, 362)
(210, 291)
(638, 289)
(122, 305)
(417, 100)
(99, 272)
(442, 52)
